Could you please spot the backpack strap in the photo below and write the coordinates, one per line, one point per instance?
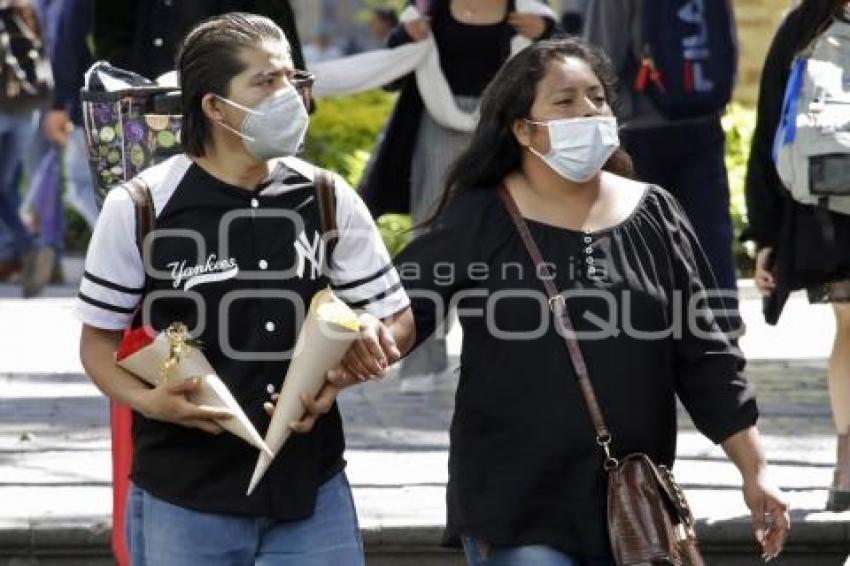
(326, 197)
(140, 194)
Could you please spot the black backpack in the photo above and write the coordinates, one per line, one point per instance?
(26, 79)
(688, 56)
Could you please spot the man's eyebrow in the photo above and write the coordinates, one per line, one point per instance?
(273, 73)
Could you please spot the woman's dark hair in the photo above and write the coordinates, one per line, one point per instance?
(815, 16)
(494, 152)
(209, 59)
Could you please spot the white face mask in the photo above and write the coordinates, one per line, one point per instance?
(275, 127)
(579, 147)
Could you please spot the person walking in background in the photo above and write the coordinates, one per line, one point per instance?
(60, 146)
(144, 37)
(27, 83)
(670, 105)
(63, 124)
(526, 478)
(804, 246)
(474, 40)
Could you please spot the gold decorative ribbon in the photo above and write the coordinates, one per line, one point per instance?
(179, 342)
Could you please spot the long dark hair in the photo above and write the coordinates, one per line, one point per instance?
(493, 152)
(815, 16)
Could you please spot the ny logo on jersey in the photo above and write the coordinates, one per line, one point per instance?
(309, 252)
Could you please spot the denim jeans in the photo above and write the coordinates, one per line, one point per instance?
(162, 534)
(15, 133)
(539, 555)
(45, 199)
(78, 177)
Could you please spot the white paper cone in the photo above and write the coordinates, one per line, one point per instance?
(147, 363)
(328, 331)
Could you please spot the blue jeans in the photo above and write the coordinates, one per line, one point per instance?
(162, 534)
(15, 133)
(45, 199)
(78, 178)
(539, 555)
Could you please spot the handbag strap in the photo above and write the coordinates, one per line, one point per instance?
(326, 196)
(558, 305)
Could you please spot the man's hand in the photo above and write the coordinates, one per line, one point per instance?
(168, 402)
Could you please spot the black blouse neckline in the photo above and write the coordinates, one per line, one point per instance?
(602, 231)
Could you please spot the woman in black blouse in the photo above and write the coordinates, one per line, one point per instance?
(793, 251)
(526, 482)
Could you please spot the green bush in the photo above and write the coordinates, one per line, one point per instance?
(342, 136)
(343, 132)
(739, 124)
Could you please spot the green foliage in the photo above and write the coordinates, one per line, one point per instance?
(395, 230)
(365, 14)
(739, 124)
(342, 136)
(344, 129)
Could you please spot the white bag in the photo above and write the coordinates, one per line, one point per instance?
(812, 145)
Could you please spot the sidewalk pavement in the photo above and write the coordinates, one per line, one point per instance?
(55, 490)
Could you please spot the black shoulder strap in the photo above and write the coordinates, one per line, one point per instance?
(140, 194)
(326, 197)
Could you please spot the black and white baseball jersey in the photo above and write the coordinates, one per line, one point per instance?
(239, 268)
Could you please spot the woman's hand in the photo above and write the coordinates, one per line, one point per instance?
(764, 280)
(765, 500)
(419, 29)
(528, 25)
(167, 402)
(369, 356)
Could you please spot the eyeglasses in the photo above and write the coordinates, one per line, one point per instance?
(303, 83)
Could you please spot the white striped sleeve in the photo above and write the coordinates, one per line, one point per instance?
(362, 273)
(113, 282)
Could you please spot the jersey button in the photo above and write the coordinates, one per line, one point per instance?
(263, 264)
(255, 203)
(270, 326)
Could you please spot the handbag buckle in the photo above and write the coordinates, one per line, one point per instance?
(604, 441)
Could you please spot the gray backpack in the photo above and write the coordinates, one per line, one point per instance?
(812, 145)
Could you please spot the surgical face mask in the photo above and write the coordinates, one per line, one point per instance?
(275, 127)
(579, 147)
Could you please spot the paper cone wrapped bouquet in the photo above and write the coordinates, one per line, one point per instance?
(327, 333)
(172, 355)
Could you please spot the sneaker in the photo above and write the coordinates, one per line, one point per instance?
(412, 384)
(38, 264)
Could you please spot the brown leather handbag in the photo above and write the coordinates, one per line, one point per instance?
(649, 520)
